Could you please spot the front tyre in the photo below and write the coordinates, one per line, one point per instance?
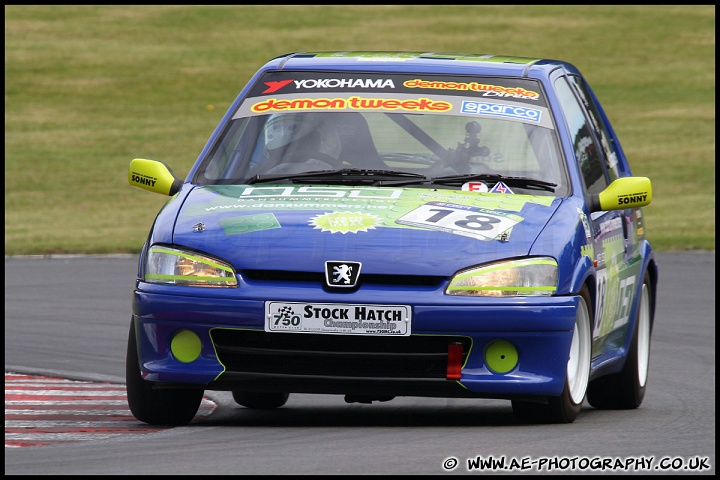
(626, 390)
(566, 407)
(156, 406)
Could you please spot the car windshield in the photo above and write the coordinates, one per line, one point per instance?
(361, 137)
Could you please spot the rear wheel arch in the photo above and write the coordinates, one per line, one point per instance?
(652, 271)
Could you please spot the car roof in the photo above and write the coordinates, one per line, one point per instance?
(420, 62)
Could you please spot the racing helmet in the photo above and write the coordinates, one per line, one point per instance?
(301, 133)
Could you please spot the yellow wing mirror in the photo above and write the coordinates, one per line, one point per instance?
(153, 175)
(622, 193)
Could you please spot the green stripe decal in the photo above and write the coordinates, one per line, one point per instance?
(194, 278)
(505, 267)
(189, 257)
(548, 288)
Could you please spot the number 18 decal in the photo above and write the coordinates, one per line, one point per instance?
(473, 222)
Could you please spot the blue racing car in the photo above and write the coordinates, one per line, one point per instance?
(382, 224)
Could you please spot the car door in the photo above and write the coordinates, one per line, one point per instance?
(614, 244)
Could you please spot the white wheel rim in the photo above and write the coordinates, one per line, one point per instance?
(643, 340)
(578, 367)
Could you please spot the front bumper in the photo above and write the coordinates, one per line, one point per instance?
(236, 354)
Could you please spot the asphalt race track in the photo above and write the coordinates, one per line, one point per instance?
(68, 318)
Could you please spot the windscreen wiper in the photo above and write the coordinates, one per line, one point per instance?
(344, 175)
(522, 182)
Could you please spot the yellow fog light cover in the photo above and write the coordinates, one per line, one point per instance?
(501, 356)
(186, 346)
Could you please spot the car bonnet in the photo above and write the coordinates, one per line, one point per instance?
(389, 230)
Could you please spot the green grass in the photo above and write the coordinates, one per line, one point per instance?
(89, 88)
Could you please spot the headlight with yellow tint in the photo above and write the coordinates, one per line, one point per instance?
(177, 267)
(528, 276)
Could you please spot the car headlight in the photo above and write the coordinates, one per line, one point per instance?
(178, 267)
(529, 276)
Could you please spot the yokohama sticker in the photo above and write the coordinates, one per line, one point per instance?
(384, 320)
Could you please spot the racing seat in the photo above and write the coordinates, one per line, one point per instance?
(357, 146)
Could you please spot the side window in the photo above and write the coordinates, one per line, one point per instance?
(601, 129)
(586, 152)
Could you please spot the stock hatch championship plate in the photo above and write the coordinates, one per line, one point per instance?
(391, 320)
